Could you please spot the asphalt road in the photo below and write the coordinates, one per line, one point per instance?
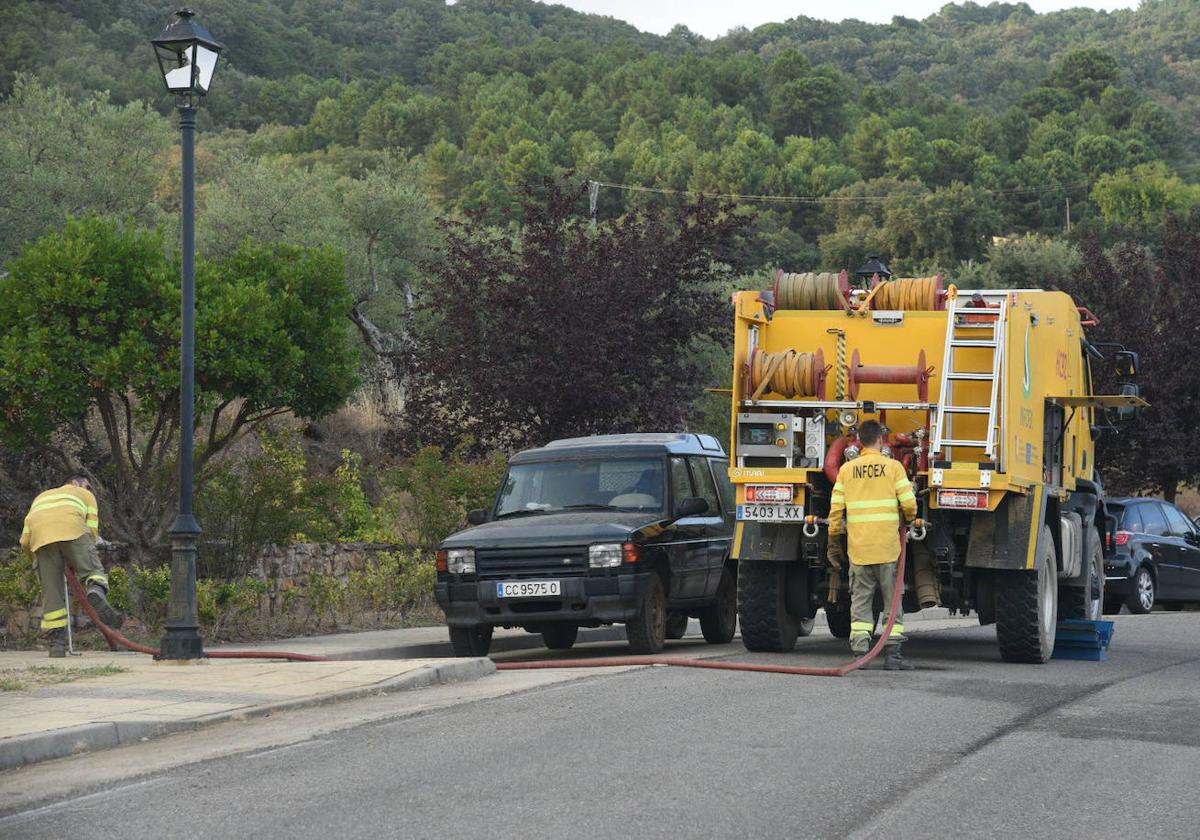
(965, 747)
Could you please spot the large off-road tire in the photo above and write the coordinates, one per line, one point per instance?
(1027, 607)
(762, 607)
(1145, 591)
(560, 636)
(837, 616)
(718, 620)
(471, 641)
(647, 630)
(677, 624)
(1086, 603)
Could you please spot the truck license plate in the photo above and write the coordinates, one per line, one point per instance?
(528, 588)
(770, 513)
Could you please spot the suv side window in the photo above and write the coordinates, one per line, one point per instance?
(681, 484)
(720, 468)
(1176, 521)
(702, 479)
(1152, 518)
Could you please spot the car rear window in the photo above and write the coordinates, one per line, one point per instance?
(1154, 523)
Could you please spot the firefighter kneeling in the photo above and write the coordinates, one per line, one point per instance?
(871, 493)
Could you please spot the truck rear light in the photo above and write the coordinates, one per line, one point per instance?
(1123, 537)
(631, 553)
(963, 499)
(769, 492)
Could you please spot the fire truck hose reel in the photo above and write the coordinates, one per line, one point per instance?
(910, 294)
(789, 374)
(810, 291)
(917, 374)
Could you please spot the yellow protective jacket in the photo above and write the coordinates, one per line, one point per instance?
(60, 515)
(868, 498)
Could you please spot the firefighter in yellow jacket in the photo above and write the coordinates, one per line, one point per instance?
(62, 527)
(871, 495)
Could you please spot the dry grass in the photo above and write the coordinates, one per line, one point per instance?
(37, 676)
(1189, 500)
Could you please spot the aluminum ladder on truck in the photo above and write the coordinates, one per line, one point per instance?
(991, 322)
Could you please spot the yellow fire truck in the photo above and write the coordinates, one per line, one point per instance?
(986, 398)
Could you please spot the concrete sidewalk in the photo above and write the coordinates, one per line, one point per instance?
(149, 699)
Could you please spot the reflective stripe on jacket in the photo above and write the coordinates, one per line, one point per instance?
(870, 494)
(60, 515)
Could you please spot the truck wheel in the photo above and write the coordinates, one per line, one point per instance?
(677, 624)
(1141, 601)
(647, 630)
(837, 616)
(560, 636)
(1086, 603)
(762, 607)
(1027, 607)
(718, 620)
(471, 641)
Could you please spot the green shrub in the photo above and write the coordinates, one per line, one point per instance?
(441, 490)
(19, 583)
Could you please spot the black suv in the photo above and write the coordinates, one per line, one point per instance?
(1153, 556)
(631, 529)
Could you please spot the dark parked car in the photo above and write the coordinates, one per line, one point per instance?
(631, 529)
(1153, 557)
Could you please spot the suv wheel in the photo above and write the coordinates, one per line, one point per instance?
(718, 620)
(471, 641)
(560, 636)
(647, 630)
(1142, 599)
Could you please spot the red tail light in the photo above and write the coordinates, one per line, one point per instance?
(1123, 537)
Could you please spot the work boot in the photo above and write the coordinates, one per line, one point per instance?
(58, 643)
(860, 648)
(895, 661)
(97, 595)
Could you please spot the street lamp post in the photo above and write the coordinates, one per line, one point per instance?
(187, 55)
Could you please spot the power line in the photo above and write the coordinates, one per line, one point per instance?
(594, 184)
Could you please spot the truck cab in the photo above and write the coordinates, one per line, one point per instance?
(585, 532)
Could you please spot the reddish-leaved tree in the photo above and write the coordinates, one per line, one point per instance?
(1145, 297)
(564, 329)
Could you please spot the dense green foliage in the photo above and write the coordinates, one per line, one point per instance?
(922, 138)
(89, 355)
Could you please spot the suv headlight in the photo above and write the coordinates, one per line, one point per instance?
(605, 555)
(460, 561)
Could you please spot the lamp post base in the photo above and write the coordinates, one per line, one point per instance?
(182, 637)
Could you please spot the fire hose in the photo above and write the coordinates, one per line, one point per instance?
(679, 662)
(115, 638)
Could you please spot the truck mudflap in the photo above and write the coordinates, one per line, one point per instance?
(1007, 538)
(765, 541)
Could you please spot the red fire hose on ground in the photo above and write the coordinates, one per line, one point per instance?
(115, 638)
(623, 661)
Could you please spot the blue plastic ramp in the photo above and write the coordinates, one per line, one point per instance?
(1083, 640)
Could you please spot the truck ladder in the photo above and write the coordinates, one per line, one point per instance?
(992, 326)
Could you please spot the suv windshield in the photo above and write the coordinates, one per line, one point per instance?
(627, 484)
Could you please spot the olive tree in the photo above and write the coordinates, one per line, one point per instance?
(89, 356)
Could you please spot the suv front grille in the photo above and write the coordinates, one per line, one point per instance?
(517, 563)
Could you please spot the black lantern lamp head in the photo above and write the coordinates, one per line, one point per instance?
(187, 55)
(870, 268)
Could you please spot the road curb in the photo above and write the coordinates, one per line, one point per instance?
(35, 747)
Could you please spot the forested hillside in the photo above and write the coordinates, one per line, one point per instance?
(918, 139)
